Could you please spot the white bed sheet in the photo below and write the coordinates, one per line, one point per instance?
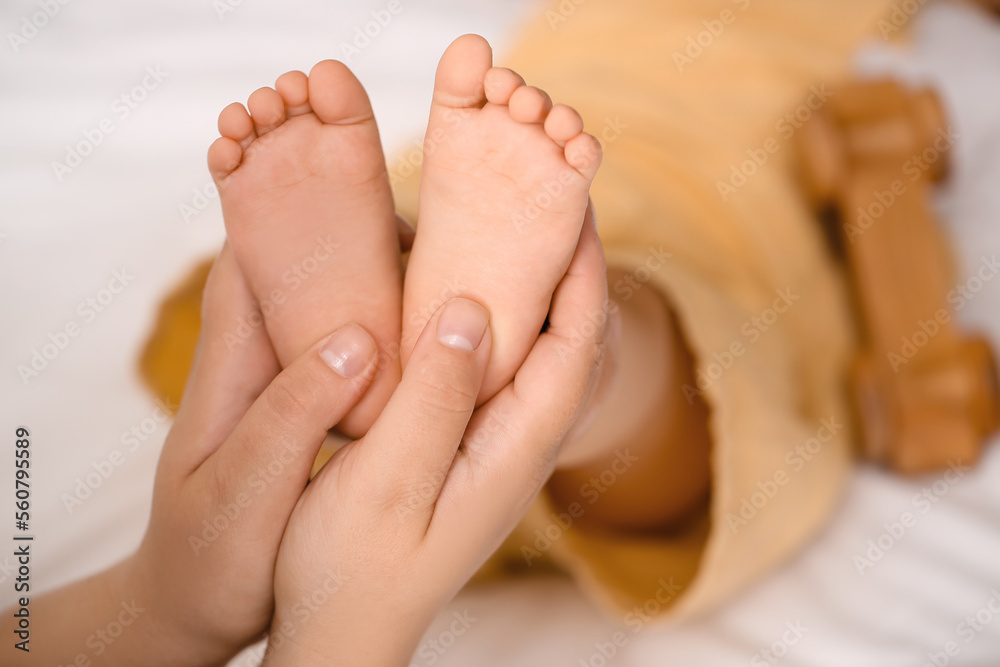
(120, 209)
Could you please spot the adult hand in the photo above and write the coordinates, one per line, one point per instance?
(398, 521)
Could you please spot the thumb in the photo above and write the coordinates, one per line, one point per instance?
(277, 440)
(412, 445)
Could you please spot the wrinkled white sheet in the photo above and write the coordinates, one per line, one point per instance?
(121, 209)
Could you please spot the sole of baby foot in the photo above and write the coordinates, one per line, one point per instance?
(310, 217)
(504, 191)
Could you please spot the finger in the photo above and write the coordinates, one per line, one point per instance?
(513, 440)
(273, 447)
(406, 233)
(232, 365)
(568, 354)
(412, 445)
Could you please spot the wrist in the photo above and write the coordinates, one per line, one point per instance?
(168, 634)
(104, 618)
(346, 627)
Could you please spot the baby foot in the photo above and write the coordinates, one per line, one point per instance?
(310, 217)
(504, 190)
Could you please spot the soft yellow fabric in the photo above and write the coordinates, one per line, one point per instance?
(674, 122)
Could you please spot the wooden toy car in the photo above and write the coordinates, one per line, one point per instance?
(925, 394)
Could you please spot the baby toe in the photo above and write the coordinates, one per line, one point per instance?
(562, 124)
(529, 105)
(267, 110)
(235, 124)
(293, 87)
(224, 156)
(500, 84)
(583, 153)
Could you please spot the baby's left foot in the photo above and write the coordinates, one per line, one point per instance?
(504, 191)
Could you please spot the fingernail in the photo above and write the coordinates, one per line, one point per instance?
(348, 351)
(462, 324)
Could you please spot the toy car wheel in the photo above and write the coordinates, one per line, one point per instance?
(873, 411)
(982, 365)
(822, 159)
(932, 126)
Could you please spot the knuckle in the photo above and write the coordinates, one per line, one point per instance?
(412, 495)
(290, 401)
(220, 483)
(445, 392)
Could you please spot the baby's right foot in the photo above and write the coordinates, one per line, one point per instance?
(310, 217)
(504, 191)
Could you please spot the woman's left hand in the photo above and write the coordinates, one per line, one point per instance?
(398, 521)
